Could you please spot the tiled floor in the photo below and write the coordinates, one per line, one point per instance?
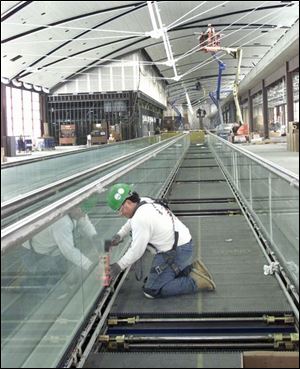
(276, 153)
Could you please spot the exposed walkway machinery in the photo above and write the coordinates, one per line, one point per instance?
(255, 305)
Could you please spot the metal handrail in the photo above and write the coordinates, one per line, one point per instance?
(285, 174)
(24, 199)
(72, 152)
(27, 227)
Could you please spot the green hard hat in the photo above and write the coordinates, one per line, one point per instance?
(117, 194)
(89, 203)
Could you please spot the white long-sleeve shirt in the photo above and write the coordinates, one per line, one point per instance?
(151, 223)
(58, 238)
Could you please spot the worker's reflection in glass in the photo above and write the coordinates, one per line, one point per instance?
(52, 253)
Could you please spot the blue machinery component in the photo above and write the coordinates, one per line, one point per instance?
(215, 97)
(179, 119)
(222, 67)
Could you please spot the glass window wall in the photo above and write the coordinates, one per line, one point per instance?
(277, 112)
(245, 111)
(296, 95)
(23, 114)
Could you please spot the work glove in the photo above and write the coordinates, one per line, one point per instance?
(115, 269)
(115, 240)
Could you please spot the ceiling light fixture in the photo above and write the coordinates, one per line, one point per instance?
(189, 103)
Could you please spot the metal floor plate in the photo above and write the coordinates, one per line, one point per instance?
(187, 190)
(236, 262)
(200, 173)
(164, 360)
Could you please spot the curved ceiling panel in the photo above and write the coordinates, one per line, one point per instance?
(48, 42)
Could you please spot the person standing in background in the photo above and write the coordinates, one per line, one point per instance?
(89, 140)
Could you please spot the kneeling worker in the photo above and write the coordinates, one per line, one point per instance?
(155, 227)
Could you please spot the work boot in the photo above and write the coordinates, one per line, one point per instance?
(202, 281)
(148, 296)
(201, 268)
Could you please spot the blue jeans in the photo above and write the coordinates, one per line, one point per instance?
(166, 283)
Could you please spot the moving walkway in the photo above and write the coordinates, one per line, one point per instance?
(208, 188)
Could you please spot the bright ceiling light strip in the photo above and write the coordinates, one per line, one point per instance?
(190, 52)
(196, 48)
(189, 103)
(174, 23)
(245, 15)
(188, 72)
(271, 19)
(198, 15)
(257, 28)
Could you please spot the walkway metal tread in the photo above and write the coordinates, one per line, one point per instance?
(235, 261)
(164, 360)
(200, 190)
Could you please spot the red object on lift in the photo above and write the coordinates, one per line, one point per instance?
(209, 40)
(243, 130)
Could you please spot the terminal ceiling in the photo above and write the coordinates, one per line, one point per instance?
(47, 43)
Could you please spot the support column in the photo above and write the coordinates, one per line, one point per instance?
(43, 114)
(265, 110)
(289, 94)
(250, 112)
(3, 116)
(232, 113)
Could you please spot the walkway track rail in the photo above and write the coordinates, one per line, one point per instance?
(27, 227)
(273, 256)
(68, 153)
(286, 174)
